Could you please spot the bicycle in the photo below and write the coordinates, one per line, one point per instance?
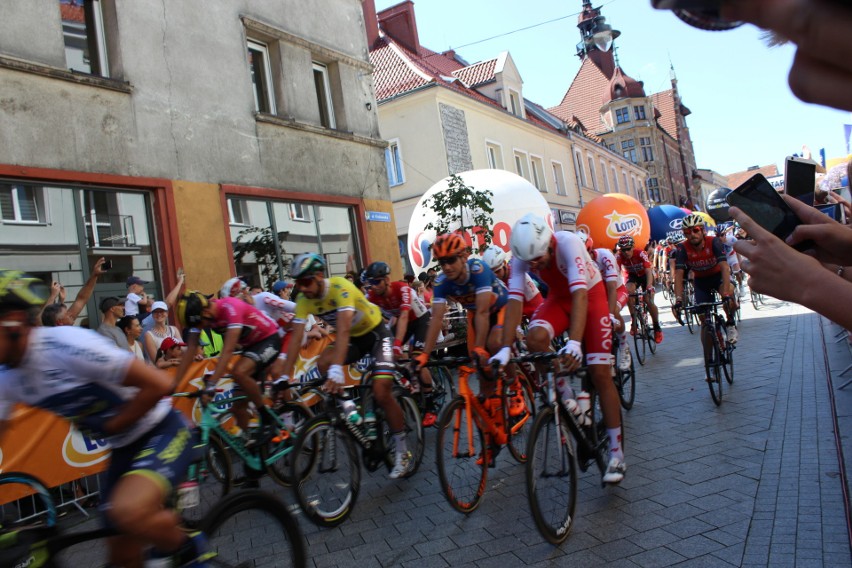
(644, 332)
(719, 357)
(326, 462)
(473, 429)
(242, 529)
(553, 461)
(443, 389)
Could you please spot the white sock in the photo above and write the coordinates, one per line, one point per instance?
(615, 450)
(399, 442)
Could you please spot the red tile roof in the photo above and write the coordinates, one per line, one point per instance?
(582, 100)
(737, 178)
(665, 102)
(72, 11)
(478, 73)
(394, 74)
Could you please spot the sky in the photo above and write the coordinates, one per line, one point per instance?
(743, 113)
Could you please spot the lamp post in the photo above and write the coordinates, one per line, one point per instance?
(596, 33)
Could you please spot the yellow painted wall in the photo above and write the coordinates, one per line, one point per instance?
(381, 238)
(201, 226)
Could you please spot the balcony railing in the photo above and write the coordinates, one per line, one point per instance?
(109, 231)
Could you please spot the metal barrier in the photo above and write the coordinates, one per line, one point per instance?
(77, 494)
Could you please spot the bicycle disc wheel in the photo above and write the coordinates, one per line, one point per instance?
(461, 457)
(253, 528)
(292, 418)
(413, 432)
(551, 476)
(518, 416)
(639, 342)
(213, 476)
(326, 464)
(713, 368)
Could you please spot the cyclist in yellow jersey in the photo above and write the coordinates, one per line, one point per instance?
(359, 329)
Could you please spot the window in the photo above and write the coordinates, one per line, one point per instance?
(622, 115)
(323, 87)
(515, 103)
(612, 147)
(628, 150)
(538, 174)
(581, 173)
(615, 180)
(300, 212)
(393, 159)
(558, 178)
(647, 149)
(522, 165)
(626, 183)
(639, 112)
(237, 212)
(604, 176)
(261, 77)
(495, 155)
(592, 173)
(22, 203)
(83, 33)
(653, 190)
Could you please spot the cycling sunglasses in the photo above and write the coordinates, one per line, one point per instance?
(303, 282)
(448, 260)
(694, 230)
(375, 281)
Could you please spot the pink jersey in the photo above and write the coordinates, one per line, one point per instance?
(570, 264)
(254, 325)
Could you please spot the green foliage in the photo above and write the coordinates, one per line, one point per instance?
(259, 242)
(462, 208)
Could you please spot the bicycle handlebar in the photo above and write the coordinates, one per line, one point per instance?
(703, 306)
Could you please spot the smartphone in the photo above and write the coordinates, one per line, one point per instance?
(107, 265)
(800, 179)
(759, 200)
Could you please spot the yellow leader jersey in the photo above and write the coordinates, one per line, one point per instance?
(340, 294)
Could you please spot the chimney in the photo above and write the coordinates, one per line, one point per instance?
(399, 23)
(371, 21)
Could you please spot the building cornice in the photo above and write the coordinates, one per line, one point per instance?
(51, 72)
(322, 131)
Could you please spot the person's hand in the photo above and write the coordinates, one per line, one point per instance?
(774, 267)
(397, 348)
(420, 360)
(571, 355)
(833, 241)
(847, 207)
(98, 268)
(336, 380)
(54, 292)
(480, 354)
(822, 69)
(500, 359)
(615, 322)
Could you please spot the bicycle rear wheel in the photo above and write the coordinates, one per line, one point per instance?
(443, 389)
(461, 456)
(413, 432)
(551, 476)
(639, 339)
(713, 367)
(625, 382)
(253, 528)
(326, 464)
(291, 419)
(518, 416)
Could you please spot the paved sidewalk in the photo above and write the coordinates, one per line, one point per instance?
(754, 482)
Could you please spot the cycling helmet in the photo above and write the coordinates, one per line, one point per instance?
(587, 240)
(20, 291)
(530, 237)
(494, 257)
(189, 308)
(448, 244)
(692, 220)
(306, 264)
(232, 287)
(375, 270)
(626, 242)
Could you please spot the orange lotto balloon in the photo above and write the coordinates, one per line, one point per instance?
(610, 216)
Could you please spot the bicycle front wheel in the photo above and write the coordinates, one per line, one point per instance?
(253, 528)
(413, 432)
(551, 476)
(639, 339)
(461, 456)
(325, 463)
(518, 416)
(280, 452)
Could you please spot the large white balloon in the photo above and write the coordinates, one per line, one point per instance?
(513, 198)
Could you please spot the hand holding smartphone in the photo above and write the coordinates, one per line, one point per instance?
(800, 179)
(107, 265)
(759, 200)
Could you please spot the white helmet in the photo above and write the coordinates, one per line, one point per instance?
(530, 237)
(232, 287)
(494, 257)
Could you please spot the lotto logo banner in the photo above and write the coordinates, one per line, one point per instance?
(614, 215)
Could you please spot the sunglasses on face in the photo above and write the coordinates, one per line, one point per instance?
(448, 260)
(374, 281)
(304, 282)
(693, 230)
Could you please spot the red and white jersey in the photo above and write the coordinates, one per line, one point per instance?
(608, 266)
(636, 264)
(280, 310)
(399, 297)
(569, 263)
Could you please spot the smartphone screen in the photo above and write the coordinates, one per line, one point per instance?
(107, 265)
(799, 179)
(759, 200)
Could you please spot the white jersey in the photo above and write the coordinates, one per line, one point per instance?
(570, 262)
(280, 310)
(75, 372)
(728, 241)
(608, 266)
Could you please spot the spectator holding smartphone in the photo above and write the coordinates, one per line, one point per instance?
(54, 314)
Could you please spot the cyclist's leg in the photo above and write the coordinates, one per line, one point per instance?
(597, 338)
(631, 303)
(250, 368)
(379, 342)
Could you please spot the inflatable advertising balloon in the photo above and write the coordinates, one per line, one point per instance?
(610, 216)
(665, 221)
(513, 198)
(708, 220)
(717, 206)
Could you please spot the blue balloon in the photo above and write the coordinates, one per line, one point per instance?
(665, 221)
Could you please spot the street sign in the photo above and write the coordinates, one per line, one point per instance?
(380, 216)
